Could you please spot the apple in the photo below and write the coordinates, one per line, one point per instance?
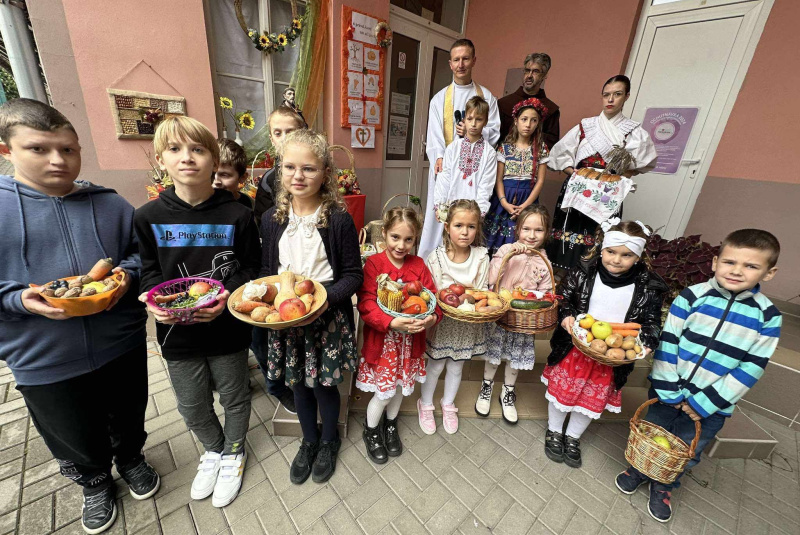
(663, 442)
(199, 288)
(457, 289)
(304, 287)
(291, 309)
(413, 287)
(425, 297)
(587, 322)
(272, 291)
(444, 292)
(451, 299)
(601, 330)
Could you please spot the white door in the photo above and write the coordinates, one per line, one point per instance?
(688, 56)
(417, 70)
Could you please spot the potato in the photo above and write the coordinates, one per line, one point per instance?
(468, 299)
(273, 317)
(614, 340)
(481, 303)
(492, 295)
(480, 296)
(494, 302)
(247, 307)
(628, 343)
(259, 314)
(630, 354)
(598, 345)
(616, 353)
(637, 348)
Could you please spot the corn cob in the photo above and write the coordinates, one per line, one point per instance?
(395, 301)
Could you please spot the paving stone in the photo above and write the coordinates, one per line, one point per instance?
(622, 518)
(586, 500)
(377, 517)
(430, 501)
(343, 482)
(522, 494)
(557, 513)
(448, 518)
(460, 487)
(314, 507)
(36, 490)
(165, 433)
(208, 520)
(160, 458)
(582, 522)
(400, 483)
(426, 447)
(261, 442)
(248, 501)
(8, 522)
(157, 377)
(482, 450)
(277, 471)
(539, 528)
(263, 407)
(151, 411)
(139, 513)
(11, 468)
(687, 522)
(12, 406)
(476, 477)
(36, 518)
(168, 502)
(498, 463)
(367, 494)
(317, 528)
(712, 513)
(493, 507)
(340, 521)
(177, 478)
(69, 502)
(13, 416)
(555, 473)
(13, 433)
(37, 453)
(506, 441)
(419, 474)
(516, 520)
(274, 519)
(763, 510)
(179, 521)
(154, 388)
(39, 472)
(442, 458)
(294, 495)
(359, 466)
(473, 526)
(183, 449)
(164, 419)
(407, 524)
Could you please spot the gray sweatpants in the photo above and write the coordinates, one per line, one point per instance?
(194, 381)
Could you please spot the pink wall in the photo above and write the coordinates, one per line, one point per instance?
(106, 47)
(766, 112)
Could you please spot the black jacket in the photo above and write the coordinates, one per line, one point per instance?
(264, 197)
(645, 309)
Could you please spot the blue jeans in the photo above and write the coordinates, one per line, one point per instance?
(275, 387)
(679, 424)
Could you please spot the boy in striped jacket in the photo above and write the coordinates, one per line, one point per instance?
(716, 342)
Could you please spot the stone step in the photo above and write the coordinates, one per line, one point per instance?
(741, 438)
(286, 424)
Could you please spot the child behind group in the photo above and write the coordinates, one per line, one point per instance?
(716, 343)
(460, 260)
(468, 171)
(528, 271)
(185, 233)
(392, 356)
(232, 172)
(309, 233)
(521, 167)
(615, 286)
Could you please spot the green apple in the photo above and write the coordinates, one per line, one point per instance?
(601, 330)
(663, 442)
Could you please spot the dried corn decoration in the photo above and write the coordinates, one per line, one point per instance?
(389, 293)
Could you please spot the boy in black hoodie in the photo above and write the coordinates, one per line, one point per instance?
(193, 230)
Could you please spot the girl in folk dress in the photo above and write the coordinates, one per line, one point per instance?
(460, 260)
(309, 233)
(615, 286)
(521, 168)
(528, 271)
(392, 356)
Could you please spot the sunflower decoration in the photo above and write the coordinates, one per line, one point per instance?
(282, 40)
(297, 24)
(277, 41)
(246, 120)
(225, 103)
(241, 119)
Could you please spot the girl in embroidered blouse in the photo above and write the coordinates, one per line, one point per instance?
(529, 271)
(392, 358)
(309, 233)
(461, 259)
(521, 166)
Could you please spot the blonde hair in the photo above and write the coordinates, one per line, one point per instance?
(286, 111)
(402, 214)
(480, 106)
(182, 128)
(462, 205)
(534, 209)
(631, 228)
(329, 190)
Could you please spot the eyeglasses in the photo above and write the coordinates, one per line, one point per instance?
(307, 171)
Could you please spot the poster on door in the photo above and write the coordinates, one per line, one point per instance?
(363, 69)
(669, 128)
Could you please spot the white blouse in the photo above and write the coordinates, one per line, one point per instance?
(301, 249)
(472, 273)
(610, 304)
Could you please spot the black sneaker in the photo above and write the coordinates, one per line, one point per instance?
(142, 480)
(301, 465)
(287, 400)
(99, 509)
(554, 446)
(373, 440)
(391, 438)
(325, 463)
(659, 506)
(572, 451)
(630, 480)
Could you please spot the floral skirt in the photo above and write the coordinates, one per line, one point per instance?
(499, 228)
(396, 367)
(318, 353)
(516, 348)
(583, 385)
(456, 340)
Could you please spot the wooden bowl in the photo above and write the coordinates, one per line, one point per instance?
(83, 306)
(320, 296)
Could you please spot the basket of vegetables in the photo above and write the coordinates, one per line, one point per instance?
(530, 312)
(409, 300)
(277, 302)
(471, 305)
(84, 295)
(612, 344)
(181, 298)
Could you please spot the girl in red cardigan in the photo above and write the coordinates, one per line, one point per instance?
(392, 356)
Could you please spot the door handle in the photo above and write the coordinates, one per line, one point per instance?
(694, 161)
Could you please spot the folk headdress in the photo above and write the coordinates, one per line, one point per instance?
(532, 102)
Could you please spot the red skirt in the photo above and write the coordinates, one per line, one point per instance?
(396, 367)
(581, 384)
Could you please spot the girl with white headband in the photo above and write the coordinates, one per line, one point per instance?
(613, 283)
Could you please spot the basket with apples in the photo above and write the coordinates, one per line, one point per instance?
(277, 302)
(181, 298)
(471, 305)
(405, 300)
(613, 344)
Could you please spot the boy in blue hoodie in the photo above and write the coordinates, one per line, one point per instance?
(716, 343)
(83, 379)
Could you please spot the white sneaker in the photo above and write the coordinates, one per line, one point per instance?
(231, 470)
(507, 399)
(206, 478)
(484, 403)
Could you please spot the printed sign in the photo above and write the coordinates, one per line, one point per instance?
(401, 60)
(398, 133)
(401, 104)
(356, 115)
(355, 56)
(364, 28)
(372, 112)
(372, 58)
(362, 137)
(670, 129)
(371, 82)
(355, 84)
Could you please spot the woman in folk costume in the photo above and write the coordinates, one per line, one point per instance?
(595, 143)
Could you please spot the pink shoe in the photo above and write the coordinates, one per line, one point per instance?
(449, 418)
(426, 421)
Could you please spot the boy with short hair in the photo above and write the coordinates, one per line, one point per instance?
(232, 172)
(716, 342)
(193, 230)
(84, 380)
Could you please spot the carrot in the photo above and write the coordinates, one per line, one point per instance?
(101, 269)
(247, 307)
(626, 332)
(163, 299)
(626, 326)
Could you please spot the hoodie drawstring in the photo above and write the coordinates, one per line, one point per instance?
(24, 249)
(94, 227)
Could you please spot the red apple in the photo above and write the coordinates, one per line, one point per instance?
(451, 299)
(444, 292)
(457, 289)
(272, 291)
(199, 288)
(413, 287)
(304, 287)
(291, 309)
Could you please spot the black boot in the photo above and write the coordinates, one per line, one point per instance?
(391, 438)
(572, 451)
(373, 440)
(554, 446)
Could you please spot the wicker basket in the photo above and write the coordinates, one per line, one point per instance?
(528, 321)
(653, 460)
(343, 173)
(373, 231)
(320, 297)
(185, 315)
(468, 316)
(584, 348)
(428, 312)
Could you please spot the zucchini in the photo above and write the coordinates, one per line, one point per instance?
(529, 304)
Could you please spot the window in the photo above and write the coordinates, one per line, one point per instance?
(448, 13)
(255, 80)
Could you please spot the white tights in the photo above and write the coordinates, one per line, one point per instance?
(510, 376)
(577, 422)
(452, 380)
(376, 406)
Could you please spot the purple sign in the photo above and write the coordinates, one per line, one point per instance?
(670, 129)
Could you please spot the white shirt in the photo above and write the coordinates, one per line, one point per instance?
(301, 249)
(610, 304)
(472, 273)
(451, 184)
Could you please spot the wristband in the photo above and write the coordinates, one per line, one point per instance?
(502, 199)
